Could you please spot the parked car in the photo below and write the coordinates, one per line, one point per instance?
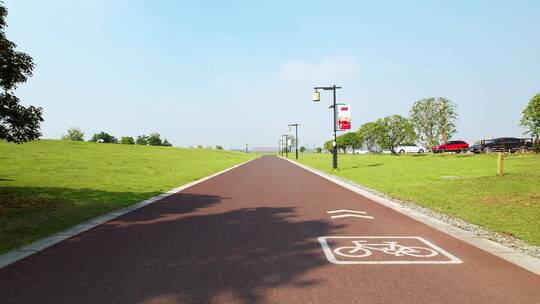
(456, 146)
(411, 149)
(360, 151)
(511, 144)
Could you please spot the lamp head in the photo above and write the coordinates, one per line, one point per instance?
(316, 96)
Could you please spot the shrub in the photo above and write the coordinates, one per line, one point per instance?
(154, 139)
(104, 137)
(74, 134)
(142, 140)
(127, 140)
(166, 143)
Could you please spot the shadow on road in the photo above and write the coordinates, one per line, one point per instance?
(185, 249)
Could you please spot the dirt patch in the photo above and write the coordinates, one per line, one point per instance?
(525, 199)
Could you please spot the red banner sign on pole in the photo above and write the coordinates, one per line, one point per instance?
(344, 117)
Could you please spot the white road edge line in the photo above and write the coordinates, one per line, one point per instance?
(351, 215)
(44, 243)
(513, 256)
(345, 210)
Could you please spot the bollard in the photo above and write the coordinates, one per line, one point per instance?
(500, 164)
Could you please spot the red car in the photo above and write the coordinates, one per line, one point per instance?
(457, 146)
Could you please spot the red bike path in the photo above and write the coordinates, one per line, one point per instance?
(261, 233)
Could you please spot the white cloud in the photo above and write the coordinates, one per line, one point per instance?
(328, 69)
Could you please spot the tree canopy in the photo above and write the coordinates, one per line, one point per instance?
(127, 140)
(104, 137)
(396, 130)
(74, 134)
(434, 119)
(369, 134)
(17, 123)
(531, 117)
(154, 139)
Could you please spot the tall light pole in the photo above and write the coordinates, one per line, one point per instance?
(317, 98)
(296, 136)
(279, 146)
(285, 144)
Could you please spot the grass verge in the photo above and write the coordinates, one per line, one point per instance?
(47, 186)
(462, 186)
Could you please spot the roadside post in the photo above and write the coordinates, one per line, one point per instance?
(500, 164)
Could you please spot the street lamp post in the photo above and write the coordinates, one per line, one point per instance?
(279, 147)
(296, 137)
(317, 98)
(285, 145)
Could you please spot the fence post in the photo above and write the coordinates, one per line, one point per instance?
(500, 164)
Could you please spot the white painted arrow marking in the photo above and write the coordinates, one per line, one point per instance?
(349, 214)
(352, 215)
(345, 210)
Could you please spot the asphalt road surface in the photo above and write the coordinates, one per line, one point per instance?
(262, 233)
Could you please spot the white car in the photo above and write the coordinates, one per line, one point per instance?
(411, 149)
(360, 151)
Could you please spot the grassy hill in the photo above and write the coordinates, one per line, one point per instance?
(48, 185)
(463, 186)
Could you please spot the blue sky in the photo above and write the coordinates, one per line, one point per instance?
(236, 72)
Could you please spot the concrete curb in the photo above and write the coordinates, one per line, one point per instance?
(520, 259)
(39, 245)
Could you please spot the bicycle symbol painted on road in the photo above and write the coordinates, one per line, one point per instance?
(384, 250)
(363, 249)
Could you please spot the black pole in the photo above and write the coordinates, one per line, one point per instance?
(286, 147)
(334, 143)
(279, 147)
(296, 128)
(334, 158)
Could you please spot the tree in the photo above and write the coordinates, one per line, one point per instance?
(368, 135)
(328, 146)
(349, 141)
(74, 134)
(302, 149)
(531, 118)
(127, 140)
(318, 150)
(424, 115)
(434, 119)
(104, 137)
(154, 139)
(17, 123)
(291, 140)
(396, 130)
(219, 147)
(142, 140)
(448, 116)
(166, 143)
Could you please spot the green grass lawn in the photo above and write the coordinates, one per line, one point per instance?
(47, 186)
(472, 190)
